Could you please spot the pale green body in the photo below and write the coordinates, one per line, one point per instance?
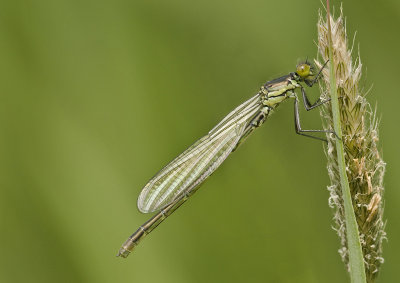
(177, 181)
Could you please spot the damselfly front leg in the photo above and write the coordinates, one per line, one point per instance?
(307, 105)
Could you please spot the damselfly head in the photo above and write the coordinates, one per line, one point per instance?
(305, 71)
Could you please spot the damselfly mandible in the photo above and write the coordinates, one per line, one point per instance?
(177, 181)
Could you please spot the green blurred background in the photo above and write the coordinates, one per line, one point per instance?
(96, 96)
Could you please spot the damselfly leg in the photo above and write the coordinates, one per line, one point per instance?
(308, 106)
(297, 123)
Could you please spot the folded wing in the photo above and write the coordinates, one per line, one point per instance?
(199, 161)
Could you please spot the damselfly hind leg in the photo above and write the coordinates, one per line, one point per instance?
(297, 123)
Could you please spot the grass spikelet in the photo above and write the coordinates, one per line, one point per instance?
(364, 165)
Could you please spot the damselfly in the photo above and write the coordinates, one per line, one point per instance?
(177, 181)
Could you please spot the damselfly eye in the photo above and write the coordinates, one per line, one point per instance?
(303, 70)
